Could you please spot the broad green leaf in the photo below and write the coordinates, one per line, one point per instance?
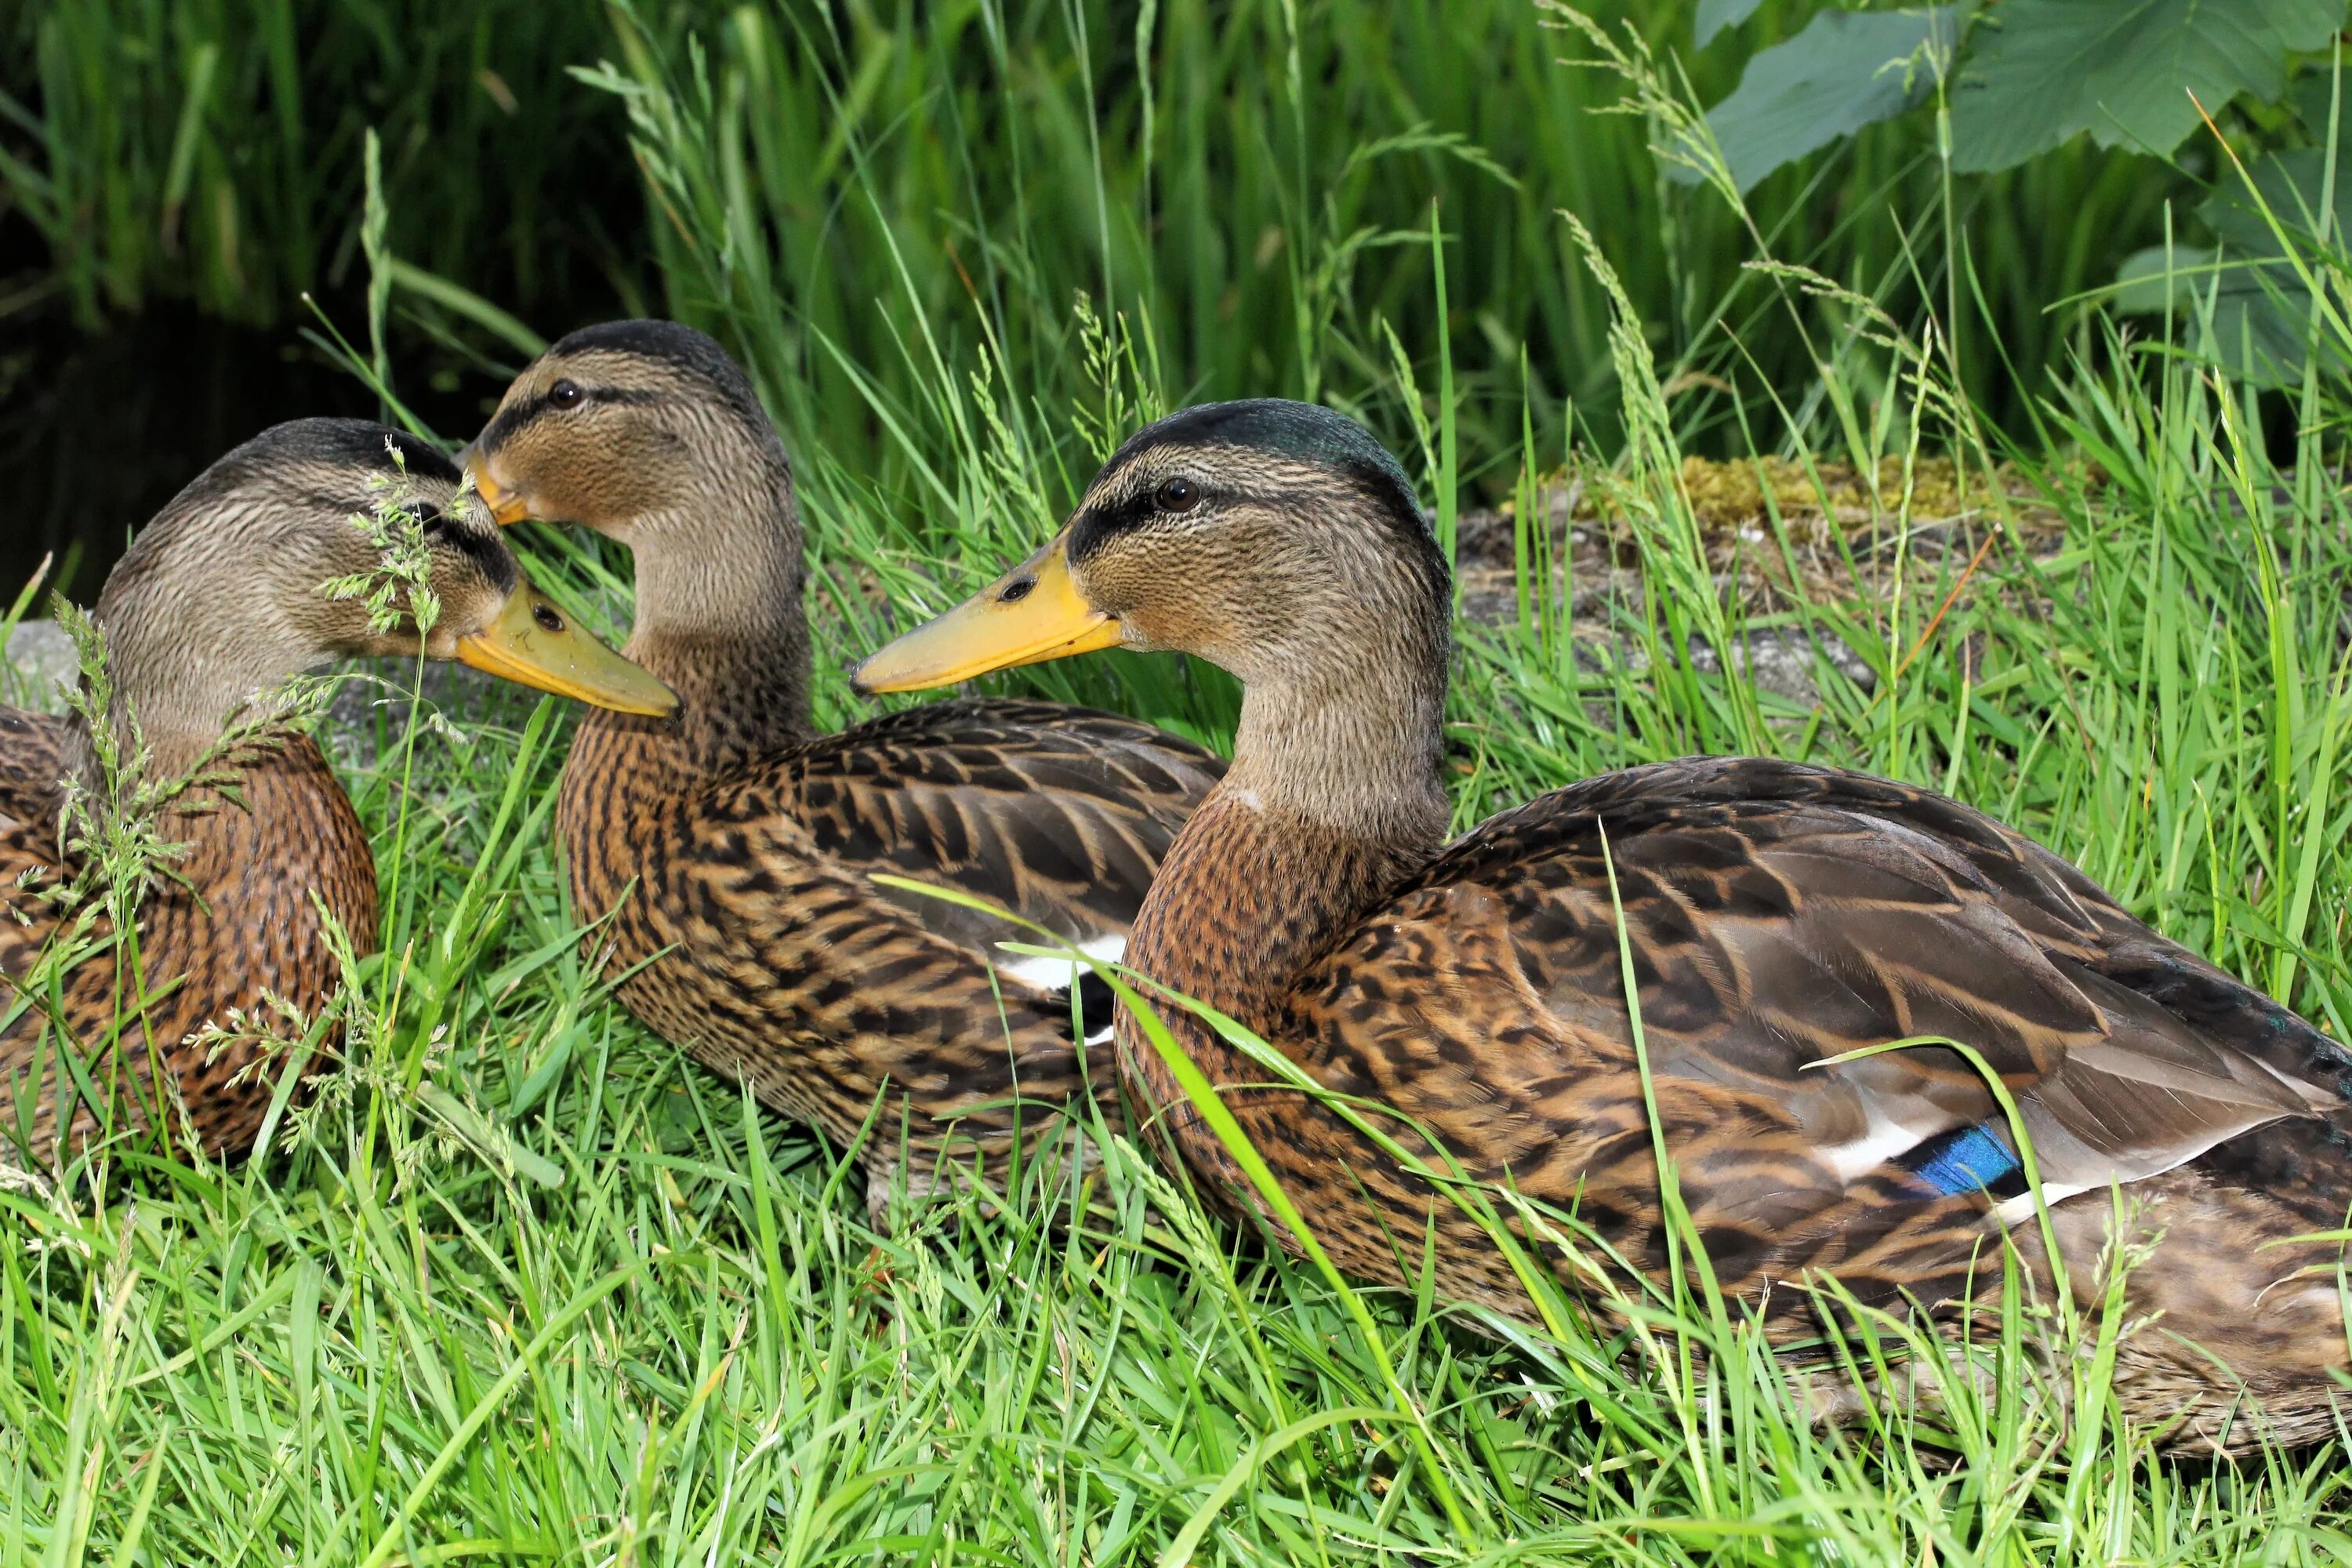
(2262, 317)
(1847, 69)
(2261, 309)
(2313, 97)
(2044, 71)
(1715, 15)
(2290, 187)
(2159, 278)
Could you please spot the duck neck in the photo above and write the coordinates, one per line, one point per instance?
(719, 619)
(1333, 799)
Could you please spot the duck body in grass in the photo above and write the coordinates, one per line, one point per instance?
(1775, 917)
(218, 601)
(729, 853)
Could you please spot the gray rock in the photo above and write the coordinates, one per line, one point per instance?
(1605, 595)
(40, 658)
(362, 724)
(1777, 661)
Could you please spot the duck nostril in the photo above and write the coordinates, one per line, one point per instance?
(546, 616)
(1015, 591)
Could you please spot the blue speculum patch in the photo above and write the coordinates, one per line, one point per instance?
(1967, 1160)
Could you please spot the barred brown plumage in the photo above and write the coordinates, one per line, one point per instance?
(241, 923)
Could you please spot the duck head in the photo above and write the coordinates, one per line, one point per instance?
(1277, 540)
(642, 431)
(311, 542)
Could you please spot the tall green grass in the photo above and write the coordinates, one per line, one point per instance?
(1258, 182)
(1256, 176)
(528, 1286)
(211, 150)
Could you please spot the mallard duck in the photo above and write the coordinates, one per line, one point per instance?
(1778, 916)
(217, 601)
(733, 847)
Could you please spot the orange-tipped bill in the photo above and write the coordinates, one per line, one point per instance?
(534, 644)
(1031, 614)
(505, 507)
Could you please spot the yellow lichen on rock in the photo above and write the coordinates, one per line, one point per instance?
(1725, 494)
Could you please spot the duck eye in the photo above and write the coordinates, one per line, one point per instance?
(566, 394)
(546, 616)
(1177, 495)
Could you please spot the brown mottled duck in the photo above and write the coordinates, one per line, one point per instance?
(733, 847)
(217, 601)
(1776, 915)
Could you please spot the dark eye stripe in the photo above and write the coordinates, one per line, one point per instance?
(544, 404)
(1100, 526)
(510, 420)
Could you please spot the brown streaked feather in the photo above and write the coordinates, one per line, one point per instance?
(32, 765)
(1770, 936)
(1776, 916)
(787, 966)
(2067, 913)
(242, 922)
(1059, 814)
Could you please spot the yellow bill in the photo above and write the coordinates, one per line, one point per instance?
(534, 644)
(1031, 614)
(505, 507)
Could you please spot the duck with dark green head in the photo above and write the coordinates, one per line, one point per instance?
(229, 593)
(1778, 916)
(733, 849)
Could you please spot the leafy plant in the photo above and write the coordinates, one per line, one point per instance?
(2265, 296)
(2021, 78)
(2133, 74)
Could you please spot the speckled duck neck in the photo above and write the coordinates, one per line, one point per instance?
(718, 584)
(1333, 798)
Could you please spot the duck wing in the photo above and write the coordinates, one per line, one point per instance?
(2071, 916)
(1061, 815)
(32, 762)
(32, 765)
(1776, 916)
